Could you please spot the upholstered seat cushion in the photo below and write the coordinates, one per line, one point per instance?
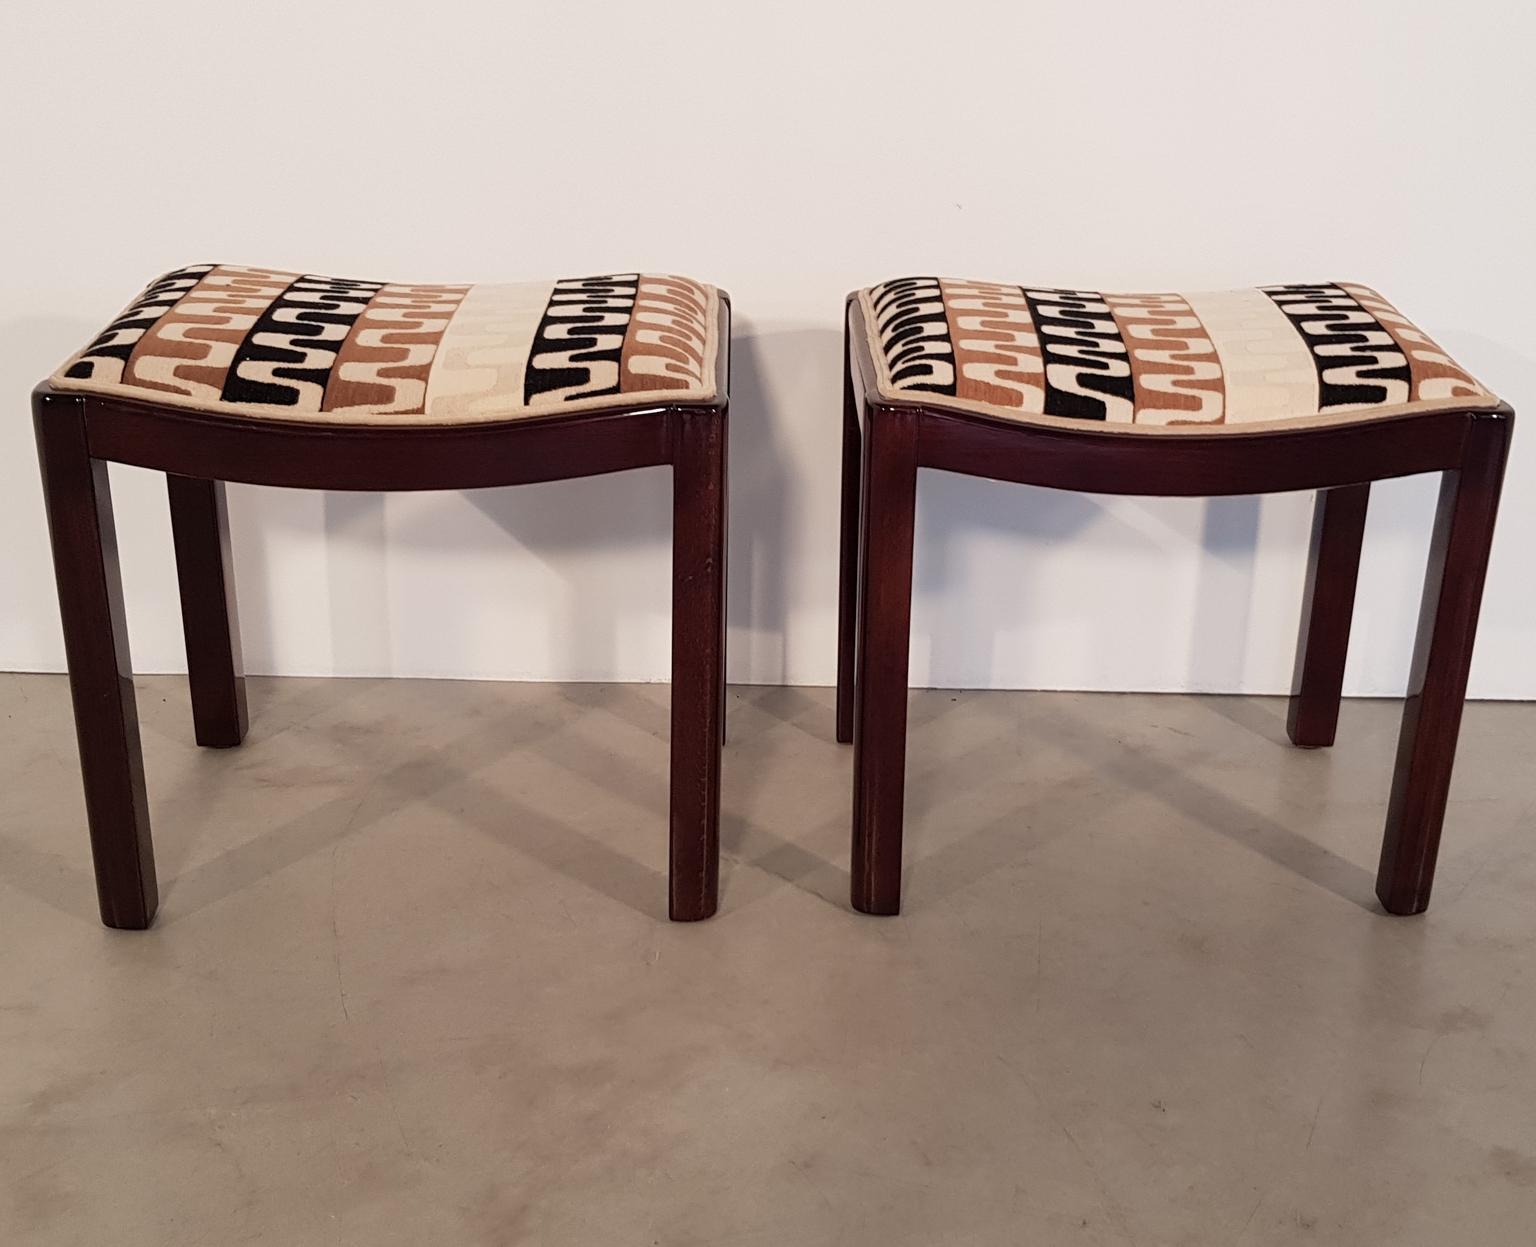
(262, 342)
(1238, 359)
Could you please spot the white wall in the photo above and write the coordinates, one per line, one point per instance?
(787, 151)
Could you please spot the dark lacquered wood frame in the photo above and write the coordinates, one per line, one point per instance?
(79, 434)
(886, 442)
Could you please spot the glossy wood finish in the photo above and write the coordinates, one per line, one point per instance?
(1442, 657)
(884, 630)
(77, 435)
(848, 553)
(210, 622)
(698, 660)
(379, 458)
(1327, 610)
(1183, 464)
(894, 439)
(79, 501)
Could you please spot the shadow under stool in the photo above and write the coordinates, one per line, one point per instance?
(221, 373)
(1326, 387)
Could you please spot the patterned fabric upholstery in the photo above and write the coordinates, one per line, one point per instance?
(261, 342)
(1156, 362)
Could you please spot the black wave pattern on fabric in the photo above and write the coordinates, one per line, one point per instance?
(914, 335)
(1087, 364)
(580, 340)
(296, 341)
(1358, 362)
(117, 340)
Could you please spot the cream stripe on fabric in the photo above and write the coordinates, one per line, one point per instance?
(1268, 369)
(482, 361)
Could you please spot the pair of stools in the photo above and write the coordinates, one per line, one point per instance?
(221, 373)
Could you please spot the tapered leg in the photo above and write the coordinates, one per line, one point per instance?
(848, 556)
(1333, 567)
(698, 660)
(200, 529)
(79, 502)
(1437, 682)
(880, 686)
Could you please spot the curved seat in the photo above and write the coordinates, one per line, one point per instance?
(1292, 356)
(229, 340)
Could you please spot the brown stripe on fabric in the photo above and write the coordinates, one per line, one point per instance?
(190, 348)
(1174, 366)
(383, 364)
(667, 336)
(1434, 374)
(997, 351)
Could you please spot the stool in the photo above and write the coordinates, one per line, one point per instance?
(1325, 387)
(221, 373)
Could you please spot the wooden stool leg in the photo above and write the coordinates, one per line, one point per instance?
(1333, 567)
(79, 502)
(200, 529)
(698, 660)
(848, 555)
(1437, 682)
(884, 629)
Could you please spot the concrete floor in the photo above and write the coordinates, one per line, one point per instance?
(412, 984)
